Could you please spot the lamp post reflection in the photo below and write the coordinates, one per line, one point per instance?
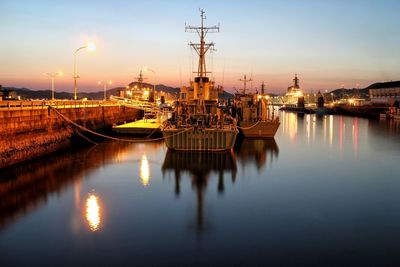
(144, 171)
(93, 212)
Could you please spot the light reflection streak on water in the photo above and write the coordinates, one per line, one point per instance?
(290, 125)
(308, 121)
(324, 128)
(341, 133)
(93, 216)
(355, 136)
(331, 129)
(144, 171)
(313, 128)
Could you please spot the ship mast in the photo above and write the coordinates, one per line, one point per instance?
(140, 80)
(202, 47)
(244, 83)
(262, 88)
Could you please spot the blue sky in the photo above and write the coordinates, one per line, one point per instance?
(328, 43)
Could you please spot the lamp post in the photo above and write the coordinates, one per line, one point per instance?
(53, 76)
(105, 87)
(90, 47)
(155, 81)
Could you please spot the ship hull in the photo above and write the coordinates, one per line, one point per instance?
(209, 139)
(261, 129)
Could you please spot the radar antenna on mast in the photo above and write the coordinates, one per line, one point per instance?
(202, 47)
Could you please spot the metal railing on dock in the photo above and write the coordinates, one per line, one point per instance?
(43, 104)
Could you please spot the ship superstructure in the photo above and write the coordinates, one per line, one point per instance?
(255, 118)
(199, 125)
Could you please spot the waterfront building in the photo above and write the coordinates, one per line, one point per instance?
(386, 92)
(8, 94)
(320, 100)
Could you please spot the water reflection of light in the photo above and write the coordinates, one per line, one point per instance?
(341, 126)
(144, 171)
(77, 193)
(308, 126)
(330, 129)
(93, 212)
(313, 129)
(289, 123)
(355, 136)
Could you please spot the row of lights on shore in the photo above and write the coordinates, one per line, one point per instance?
(90, 47)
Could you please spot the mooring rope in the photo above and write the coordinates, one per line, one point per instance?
(152, 132)
(115, 138)
(247, 128)
(86, 138)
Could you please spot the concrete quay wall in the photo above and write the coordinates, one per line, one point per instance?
(26, 133)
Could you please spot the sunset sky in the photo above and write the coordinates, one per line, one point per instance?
(328, 43)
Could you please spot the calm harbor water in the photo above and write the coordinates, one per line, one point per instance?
(326, 191)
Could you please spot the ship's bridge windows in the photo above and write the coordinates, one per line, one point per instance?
(201, 79)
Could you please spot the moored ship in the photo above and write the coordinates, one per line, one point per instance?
(199, 125)
(255, 119)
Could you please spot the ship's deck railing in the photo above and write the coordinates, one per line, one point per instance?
(148, 107)
(144, 105)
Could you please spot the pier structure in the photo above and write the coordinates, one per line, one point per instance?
(29, 129)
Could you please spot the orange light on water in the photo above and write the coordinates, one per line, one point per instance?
(93, 212)
(144, 171)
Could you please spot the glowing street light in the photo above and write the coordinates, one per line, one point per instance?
(90, 47)
(155, 81)
(105, 87)
(53, 75)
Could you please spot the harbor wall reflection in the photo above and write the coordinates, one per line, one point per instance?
(25, 187)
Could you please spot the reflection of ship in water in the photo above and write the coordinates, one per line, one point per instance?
(200, 165)
(26, 186)
(256, 150)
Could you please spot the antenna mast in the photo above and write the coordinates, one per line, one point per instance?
(202, 47)
(140, 79)
(262, 88)
(244, 84)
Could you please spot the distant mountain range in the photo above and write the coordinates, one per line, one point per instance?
(26, 93)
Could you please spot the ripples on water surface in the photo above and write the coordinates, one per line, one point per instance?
(324, 192)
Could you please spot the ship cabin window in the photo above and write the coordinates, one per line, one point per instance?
(201, 79)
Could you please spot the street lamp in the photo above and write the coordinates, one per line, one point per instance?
(155, 81)
(90, 47)
(53, 75)
(105, 87)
